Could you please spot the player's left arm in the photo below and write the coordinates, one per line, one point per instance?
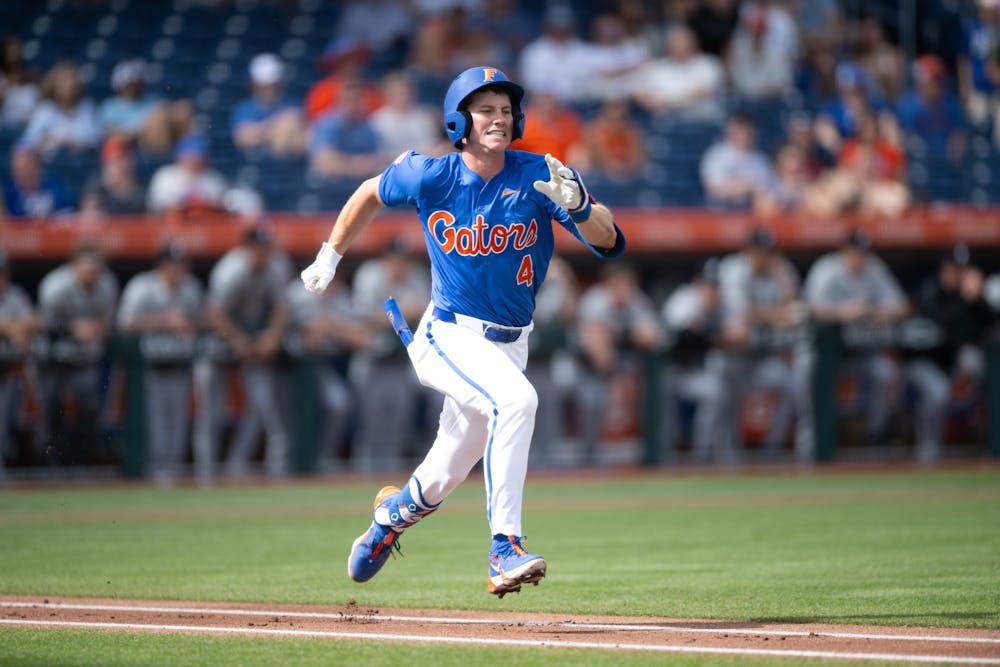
(594, 221)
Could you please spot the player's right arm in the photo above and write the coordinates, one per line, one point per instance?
(360, 209)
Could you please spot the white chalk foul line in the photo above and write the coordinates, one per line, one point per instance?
(485, 621)
(492, 641)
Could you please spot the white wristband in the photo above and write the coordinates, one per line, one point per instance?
(328, 257)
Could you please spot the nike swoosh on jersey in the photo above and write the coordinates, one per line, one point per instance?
(507, 191)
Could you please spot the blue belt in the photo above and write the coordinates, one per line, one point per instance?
(495, 334)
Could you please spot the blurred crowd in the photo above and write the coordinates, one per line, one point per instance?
(221, 367)
(855, 88)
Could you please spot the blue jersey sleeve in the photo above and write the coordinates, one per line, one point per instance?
(401, 181)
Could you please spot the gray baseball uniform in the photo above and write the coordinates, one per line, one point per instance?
(249, 299)
(168, 358)
(830, 283)
(695, 373)
(389, 393)
(15, 305)
(335, 392)
(72, 368)
(598, 308)
(766, 360)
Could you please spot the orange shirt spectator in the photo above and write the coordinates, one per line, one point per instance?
(345, 60)
(614, 144)
(873, 153)
(553, 128)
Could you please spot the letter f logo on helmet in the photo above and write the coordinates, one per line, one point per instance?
(457, 121)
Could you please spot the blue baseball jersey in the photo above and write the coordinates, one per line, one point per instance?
(489, 243)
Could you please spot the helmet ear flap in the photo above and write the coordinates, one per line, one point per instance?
(518, 123)
(457, 124)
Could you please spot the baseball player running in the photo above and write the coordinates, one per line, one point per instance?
(486, 214)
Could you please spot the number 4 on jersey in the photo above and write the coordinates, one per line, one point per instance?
(526, 272)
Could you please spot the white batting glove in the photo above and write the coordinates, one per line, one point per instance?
(318, 275)
(566, 189)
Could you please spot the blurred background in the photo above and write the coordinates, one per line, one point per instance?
(809, 189)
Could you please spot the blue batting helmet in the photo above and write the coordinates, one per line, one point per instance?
(457, 121)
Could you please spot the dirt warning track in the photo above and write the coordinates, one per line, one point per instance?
(355, 622)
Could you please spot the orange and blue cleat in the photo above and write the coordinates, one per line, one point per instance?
(511, 566)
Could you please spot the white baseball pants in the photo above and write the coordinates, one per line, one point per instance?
(489, 413)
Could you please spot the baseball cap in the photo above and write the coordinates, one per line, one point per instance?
(258, 235)
(191, 145)
(128, 71)
(858, 238)
(266, 69)
(173, 251)
(115, 146)
(958, 254)
(761, 237)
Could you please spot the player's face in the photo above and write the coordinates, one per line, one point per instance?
(492, 120)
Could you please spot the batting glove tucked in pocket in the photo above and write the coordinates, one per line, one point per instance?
(566, 189)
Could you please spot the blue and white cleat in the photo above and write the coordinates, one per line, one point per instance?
(372, 549)
(511, 566)
(395, 510)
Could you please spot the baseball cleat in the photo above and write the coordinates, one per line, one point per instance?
(511, 566)
(372, 549)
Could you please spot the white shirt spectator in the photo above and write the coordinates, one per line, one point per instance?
(173, 186)
(759, 67)
(53, 126)
(544, 61)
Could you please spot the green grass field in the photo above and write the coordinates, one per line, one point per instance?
(905, 548)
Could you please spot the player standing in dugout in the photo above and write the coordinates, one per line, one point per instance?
(486, 212)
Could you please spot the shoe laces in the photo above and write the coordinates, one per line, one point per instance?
(394, 545)
(512, 545)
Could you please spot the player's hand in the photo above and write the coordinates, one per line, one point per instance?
(565, 188)
(318, 275)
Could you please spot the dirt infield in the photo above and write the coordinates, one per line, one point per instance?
(357, 622)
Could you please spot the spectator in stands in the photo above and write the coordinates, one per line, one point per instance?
(695, 371)
(733, 171)
(543, 61)
(788, 189)
(684, 83)
(31, 193)
(383, 26)
(853, 287)
(713, 23)
(19, 91)
(76, 302)
(931, 113)
(430, 62)
(402, 124)
(162, 307)
(388, 390)
(610, 59)
(65, 120)
(614, 143)
(816, 74)
(980, 94)
(117, 190)
(267, 121)
(555, 128)
(953, 299)
(246, 308)
(762, 320)
(478, 45)
(344, 145)
(510, 23)
(134, 112)
(840, 118)
(616, 323)
(872, 168)
(760, 67)
(18, 325)
(815, 18)
(550, 366)
(327, 328)
(344, 61)
(883, 61)
(187, 184)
